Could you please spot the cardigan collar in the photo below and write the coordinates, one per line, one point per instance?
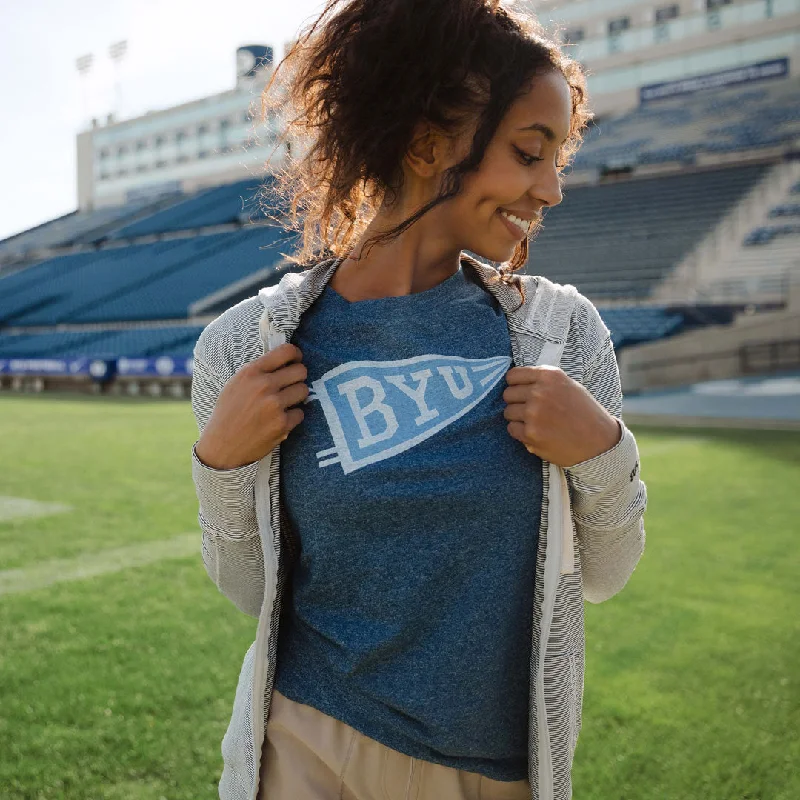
(296, 291)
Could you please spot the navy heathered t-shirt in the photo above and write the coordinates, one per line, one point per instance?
(417, 516)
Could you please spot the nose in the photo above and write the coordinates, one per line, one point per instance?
(547, 189)
(551, 193)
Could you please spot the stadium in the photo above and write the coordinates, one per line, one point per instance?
(680, 221)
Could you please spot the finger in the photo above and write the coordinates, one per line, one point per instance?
(517, 393)
(286, 376)
(515, 412)
(285, 353)
(516, 431)
(517, 375)
(292, 395)
(294, 416)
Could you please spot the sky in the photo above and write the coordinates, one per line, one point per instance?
(178, 50)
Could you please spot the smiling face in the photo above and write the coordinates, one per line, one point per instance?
(518, 172)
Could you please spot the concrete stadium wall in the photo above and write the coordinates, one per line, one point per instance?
(712, 353)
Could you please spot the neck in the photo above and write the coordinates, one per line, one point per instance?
(419, 259)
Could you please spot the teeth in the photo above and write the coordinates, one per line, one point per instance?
(522, 224)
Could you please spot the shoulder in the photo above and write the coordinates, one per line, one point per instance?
(232, 339)
(560, 312)
(546, 300)
(588, 324)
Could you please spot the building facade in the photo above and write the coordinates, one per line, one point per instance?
(626, 45)
(205, 142)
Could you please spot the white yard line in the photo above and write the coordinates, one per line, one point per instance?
(89, 565)
(21, 507)
(102, 562)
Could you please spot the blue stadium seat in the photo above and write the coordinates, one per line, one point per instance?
(618, 240)
(78, 227)
(159, 280)
(175, 341)
(221, 205)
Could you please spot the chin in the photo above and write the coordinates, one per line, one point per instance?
(493, 251)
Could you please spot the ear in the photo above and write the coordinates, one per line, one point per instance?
(429, 150)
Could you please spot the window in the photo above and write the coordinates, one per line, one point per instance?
(122, 150)
(573, 36)
(202, 130)
(180, 136)
(160, 164)
(712, 4)
(203, 154)
(713, 20)
(615, 29)
(618, 25)
(104, 153)
(159, 141)
(223, 135)
(666, 13)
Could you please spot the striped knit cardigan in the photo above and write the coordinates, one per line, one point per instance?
(591, 533)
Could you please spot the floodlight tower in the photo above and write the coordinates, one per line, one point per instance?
(84, 65)
(117, 52)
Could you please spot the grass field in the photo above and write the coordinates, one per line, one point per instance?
(118, 682)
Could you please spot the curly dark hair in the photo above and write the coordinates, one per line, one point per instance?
(365, 73)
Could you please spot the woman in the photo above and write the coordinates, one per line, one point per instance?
(387, 438)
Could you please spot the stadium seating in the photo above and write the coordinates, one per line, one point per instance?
(785, 210)
(612, 241)
(681, 128)
(628, 325)
(78, 227)
(236, 203)
(618, 240)
(763, 235)
(175, 341)
(153, 260)
(228, 204)
(635, 324)
(140, 282)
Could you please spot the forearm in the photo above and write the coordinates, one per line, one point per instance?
(608, 504)
(607, 494)
(231, 543)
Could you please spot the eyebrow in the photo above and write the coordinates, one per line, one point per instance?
(548, 132)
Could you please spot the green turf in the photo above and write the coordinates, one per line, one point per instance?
(120, 686)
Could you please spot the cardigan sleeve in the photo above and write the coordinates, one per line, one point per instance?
(607, 494)
(232, 553)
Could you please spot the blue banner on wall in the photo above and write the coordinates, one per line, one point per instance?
(776, 68)
(163, 366)
(99, 369)
(45, 366)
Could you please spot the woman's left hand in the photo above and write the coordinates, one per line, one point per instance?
(556, 417)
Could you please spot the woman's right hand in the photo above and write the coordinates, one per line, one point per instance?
(253, 412)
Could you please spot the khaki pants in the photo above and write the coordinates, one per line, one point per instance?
(309, 755)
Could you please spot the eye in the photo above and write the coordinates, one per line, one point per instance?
(526, 158)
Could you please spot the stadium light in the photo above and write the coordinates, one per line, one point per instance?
(83, 65)
(117, 52)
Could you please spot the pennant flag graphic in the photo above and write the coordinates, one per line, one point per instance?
(377, 409)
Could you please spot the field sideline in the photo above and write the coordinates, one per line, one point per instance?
(117, 682)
